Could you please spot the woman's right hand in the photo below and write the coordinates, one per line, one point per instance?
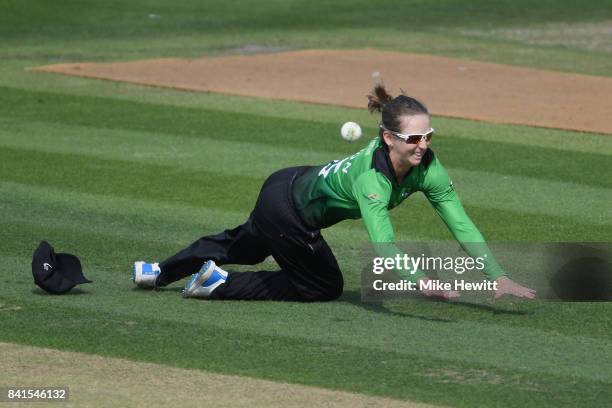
(434, 293)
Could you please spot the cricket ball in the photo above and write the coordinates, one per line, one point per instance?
(350, 131)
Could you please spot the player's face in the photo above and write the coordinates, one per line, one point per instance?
(413, 124)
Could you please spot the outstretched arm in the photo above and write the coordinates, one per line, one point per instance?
(441, 194)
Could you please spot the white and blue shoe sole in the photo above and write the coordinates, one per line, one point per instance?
(205, 281)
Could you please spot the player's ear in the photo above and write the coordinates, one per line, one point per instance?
(388, 139)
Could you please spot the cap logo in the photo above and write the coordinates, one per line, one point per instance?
(47, 266)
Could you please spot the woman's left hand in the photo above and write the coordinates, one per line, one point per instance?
(506, 286)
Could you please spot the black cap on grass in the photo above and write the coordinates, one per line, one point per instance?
(56, 273)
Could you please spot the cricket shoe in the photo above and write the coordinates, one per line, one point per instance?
(202, 284)
(144, 274)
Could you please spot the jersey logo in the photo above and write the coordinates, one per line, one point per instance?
(373, 196)
(338, 165)
(335, 166)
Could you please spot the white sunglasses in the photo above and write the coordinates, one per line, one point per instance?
(413, 138)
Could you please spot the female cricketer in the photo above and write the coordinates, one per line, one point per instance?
(294, 204)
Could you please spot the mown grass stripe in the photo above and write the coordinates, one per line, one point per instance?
(209, 151)
(138, 116)
(532, 196)
(557, 140)
(202, 153)
(128, 179)
(207, 19)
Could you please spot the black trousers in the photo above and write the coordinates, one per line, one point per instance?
(308, 269)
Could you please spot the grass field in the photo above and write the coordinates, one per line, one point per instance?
(117, 172)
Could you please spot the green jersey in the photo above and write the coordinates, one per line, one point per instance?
(364, 186)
